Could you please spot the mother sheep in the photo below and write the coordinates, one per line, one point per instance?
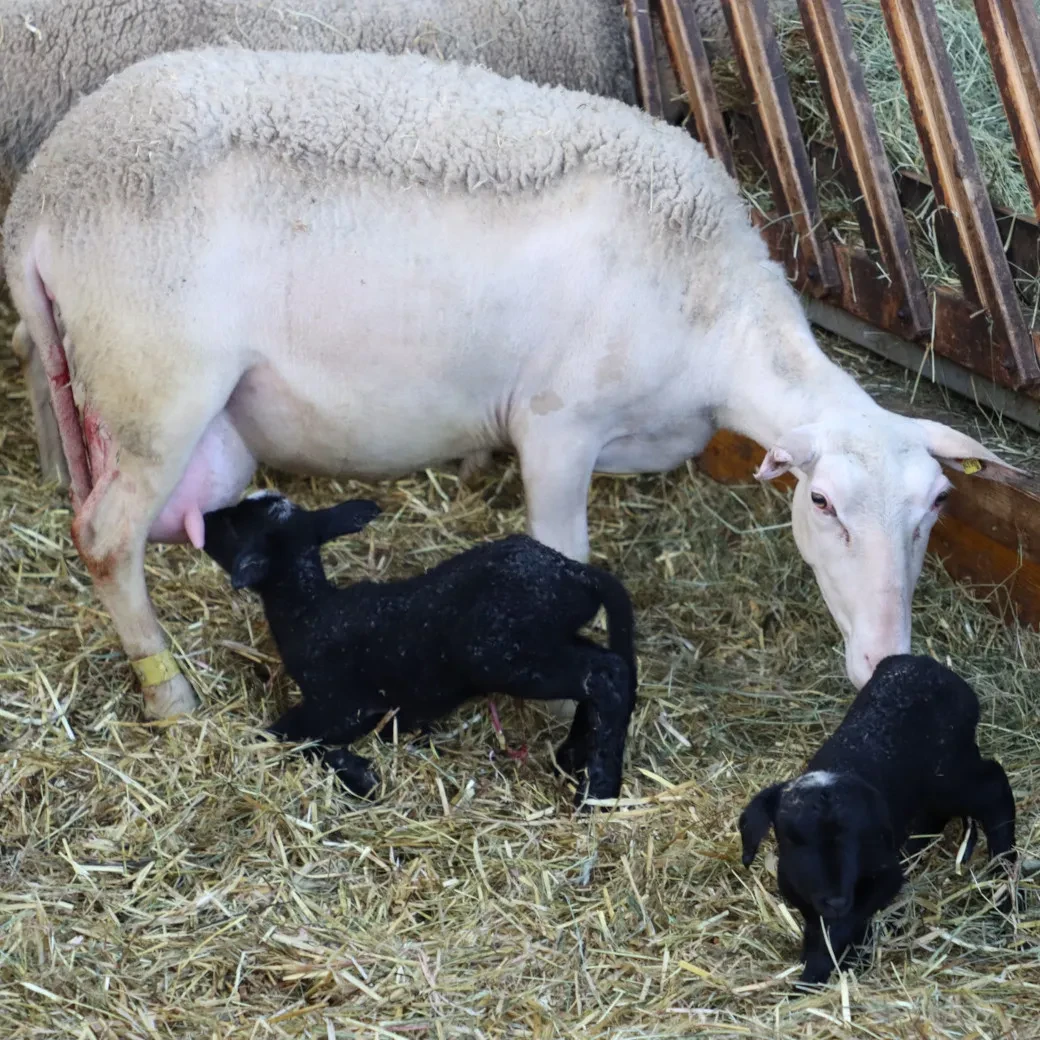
(54, 51)
(364, 264)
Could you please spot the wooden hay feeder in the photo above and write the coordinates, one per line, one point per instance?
(977, 340)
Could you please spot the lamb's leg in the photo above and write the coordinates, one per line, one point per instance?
(299, 724)
(601, 686)
(48, 438)
(991, 802)
(849, 932)
(556, 463)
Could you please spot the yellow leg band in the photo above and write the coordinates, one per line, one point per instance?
(151, 671)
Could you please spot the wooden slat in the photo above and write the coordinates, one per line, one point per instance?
(691, 61)
(863, 154)
(943, 131)
(962, 332)
(1011, 29)
(758, 55)
(988, 538)
(647, 80)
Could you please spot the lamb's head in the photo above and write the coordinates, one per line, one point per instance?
(869, 489)
(246, 539)
(832, 829)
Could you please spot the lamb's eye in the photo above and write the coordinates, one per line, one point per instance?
(818, 500)
(940, 498)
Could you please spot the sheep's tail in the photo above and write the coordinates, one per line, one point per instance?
(43, 330)
(621, 622)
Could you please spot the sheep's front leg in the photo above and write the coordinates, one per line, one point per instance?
(556, 462)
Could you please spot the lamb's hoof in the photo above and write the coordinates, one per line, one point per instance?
(563, 711)
(169, 699)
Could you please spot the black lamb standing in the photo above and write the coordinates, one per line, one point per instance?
(502, 617)
(903, 762)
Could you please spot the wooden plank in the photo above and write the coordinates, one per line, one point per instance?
(863, 154)
(942, 127)
(1011, 29)
(648, 83)
(971, 540)
(758, 56)
(962, 331)
(691, 61)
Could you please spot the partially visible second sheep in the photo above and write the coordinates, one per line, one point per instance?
(502, 617)
(54, 51)
(903, 762)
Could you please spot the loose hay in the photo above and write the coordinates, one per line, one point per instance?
(192, 879)
(973, 75)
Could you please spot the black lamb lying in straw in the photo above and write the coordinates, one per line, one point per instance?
(502, 617)
(903, 762)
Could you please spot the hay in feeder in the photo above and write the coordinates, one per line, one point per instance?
(973, 75)
(192, 879)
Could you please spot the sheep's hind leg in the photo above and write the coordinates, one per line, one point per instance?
(110, 532)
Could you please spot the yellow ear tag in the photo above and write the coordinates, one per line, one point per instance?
(971, 466)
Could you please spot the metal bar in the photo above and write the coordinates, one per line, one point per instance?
(863, 154)
(1011, 29)
(943, 131)
(758, 55)
(648, 82)
(691, 61)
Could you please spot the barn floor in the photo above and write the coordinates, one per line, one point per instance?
(193, 880)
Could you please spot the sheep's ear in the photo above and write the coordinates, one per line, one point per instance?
(249, 568)
(959, 451)
(796, 450)
(883, 821)
(346, 518)
(756, 819)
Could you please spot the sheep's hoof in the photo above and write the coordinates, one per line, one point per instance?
(170, 698)
(473, 465)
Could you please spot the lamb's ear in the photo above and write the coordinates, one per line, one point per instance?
(756, 819)
(346, 518)
(249, 568)
(883, 821)
(797, 450)
(966, 454)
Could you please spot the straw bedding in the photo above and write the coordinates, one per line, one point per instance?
(192, 879)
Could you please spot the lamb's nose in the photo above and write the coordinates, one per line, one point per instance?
(834, 906)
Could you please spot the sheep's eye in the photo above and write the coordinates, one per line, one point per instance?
(818, 500)
(940, 498)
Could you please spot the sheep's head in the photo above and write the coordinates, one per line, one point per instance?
(870, 487)
(831, 831)
(266, 526)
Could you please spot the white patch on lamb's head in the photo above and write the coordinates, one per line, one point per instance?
(817, 778)
(280, 507)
